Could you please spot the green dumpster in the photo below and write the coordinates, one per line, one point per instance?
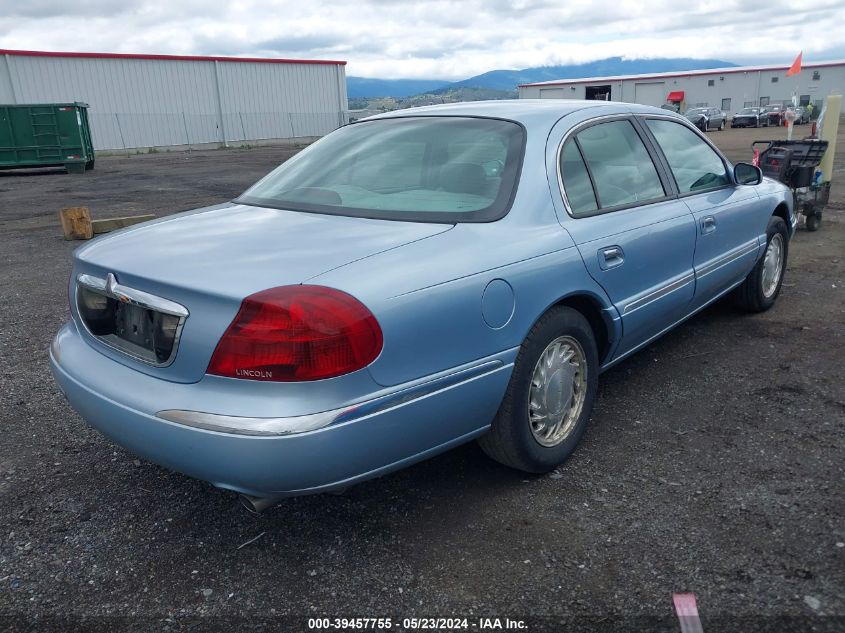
(46, 135)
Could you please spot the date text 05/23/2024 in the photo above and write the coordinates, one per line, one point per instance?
(407, 624)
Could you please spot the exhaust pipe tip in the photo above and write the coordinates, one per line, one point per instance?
(257, 505)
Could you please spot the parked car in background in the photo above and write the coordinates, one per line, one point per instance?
(748, 117)
(672, 107)
(408, 283)
(801, 115)
(774, 114)
(706, 118)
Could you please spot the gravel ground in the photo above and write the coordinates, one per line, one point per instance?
(713, 464)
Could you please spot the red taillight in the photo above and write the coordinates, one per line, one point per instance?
(297, 333)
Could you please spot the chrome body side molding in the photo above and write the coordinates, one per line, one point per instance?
(255, 426)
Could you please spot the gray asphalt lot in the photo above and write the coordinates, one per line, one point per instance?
(713, 464)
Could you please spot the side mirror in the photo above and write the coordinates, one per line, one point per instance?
(747, 174)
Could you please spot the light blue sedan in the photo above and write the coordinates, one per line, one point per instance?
(409, 283)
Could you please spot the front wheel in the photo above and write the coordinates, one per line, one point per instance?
(550, 395)
(762, 285)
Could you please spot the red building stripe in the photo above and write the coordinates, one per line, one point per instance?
(674, 74)
(189, 58)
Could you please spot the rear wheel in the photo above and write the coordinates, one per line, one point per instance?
(762, 286)
(550, 395)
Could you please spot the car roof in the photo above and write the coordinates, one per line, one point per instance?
(534, 112)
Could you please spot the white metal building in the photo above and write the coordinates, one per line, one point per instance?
(139, 101)
(730, 89)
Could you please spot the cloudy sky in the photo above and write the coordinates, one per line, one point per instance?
(433, 38)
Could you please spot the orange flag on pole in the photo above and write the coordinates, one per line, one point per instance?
(796, 66)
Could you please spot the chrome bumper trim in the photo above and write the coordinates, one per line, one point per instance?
(265, 427)
(251, 426)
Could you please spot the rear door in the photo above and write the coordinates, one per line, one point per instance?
(636, 239)
(725, 218)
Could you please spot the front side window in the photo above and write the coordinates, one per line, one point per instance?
(693, 162)
(423, 169)
(619, 163)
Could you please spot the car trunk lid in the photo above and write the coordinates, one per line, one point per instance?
(209, 261)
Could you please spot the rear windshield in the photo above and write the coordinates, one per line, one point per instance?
(423, 169)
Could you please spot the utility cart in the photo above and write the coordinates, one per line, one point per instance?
(795, 164)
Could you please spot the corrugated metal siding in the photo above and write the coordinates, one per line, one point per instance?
(740, 88)
(267, 101)
(155, 103)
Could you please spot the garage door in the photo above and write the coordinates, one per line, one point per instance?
(650, 93)
(551, 93)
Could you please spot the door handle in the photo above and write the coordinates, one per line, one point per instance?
(708, 224)
(610, 257)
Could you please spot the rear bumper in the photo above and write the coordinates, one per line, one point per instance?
(365, 443)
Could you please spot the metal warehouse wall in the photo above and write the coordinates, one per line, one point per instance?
(136, 102)
(740, 88)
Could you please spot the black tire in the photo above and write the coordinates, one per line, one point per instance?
(511, 441)
(722, 126)
(750, 295)
(813, 222)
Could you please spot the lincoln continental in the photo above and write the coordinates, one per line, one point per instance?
(411, 282)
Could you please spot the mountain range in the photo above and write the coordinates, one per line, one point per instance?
(358, 87)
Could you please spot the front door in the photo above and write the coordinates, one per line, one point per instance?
(636, 241)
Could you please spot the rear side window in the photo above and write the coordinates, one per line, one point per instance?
(693, 162)
(576, 181)
(620, 165)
